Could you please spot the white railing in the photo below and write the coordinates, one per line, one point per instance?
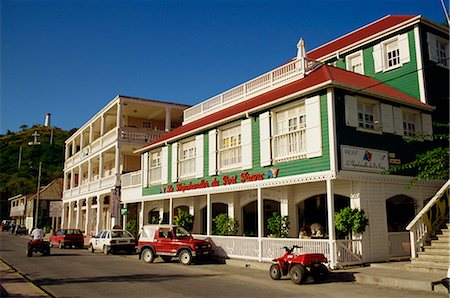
(399, 245)
(108, 181)
(418, 230)
(109, 138)
(284, 74)
(96, 146)
(69, 162)
(187, 167)
(131, 179)
(349, 252)
(273, 247)
(230, 157)
(154, 174)
(234, 246)
(290, 145)
(140, 135)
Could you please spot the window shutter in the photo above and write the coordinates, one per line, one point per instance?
(398, 121)
(164, 164)
(313, 127)
(174, 162)
(246, 141)
(387, 118)
(377, 58)
(212, 152)
(144, 167)
(427, 126)
(351, 111)
(432, 50)
(403, 44)
(264, 135)
(199, 156)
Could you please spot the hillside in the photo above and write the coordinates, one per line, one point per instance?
(23, 180)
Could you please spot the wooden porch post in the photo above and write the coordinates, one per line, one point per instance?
(208, 214)
(331, 230)
(260, 223)
(171, 211)
(141, 216)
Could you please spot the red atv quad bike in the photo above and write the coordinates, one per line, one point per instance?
(41, 246)
(299, 267)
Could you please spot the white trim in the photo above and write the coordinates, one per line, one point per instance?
(199, 156)
(351, 111)
(332, 130)
(313, 127)
(265, 139)
(164, 164)
(212, 152)
(144, 167)
(246, 143)
(419, 58)
(174, 162)
(354, 55)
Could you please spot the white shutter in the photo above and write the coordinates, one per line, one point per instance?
(212, 152)
(174, 162)
(313, 127)
(398, 121)
(387, 118)
(199, 156)
(377, 58)
(351, 111)
(264, 135)
(403, 44)
(144, 169)
(432, 49)
(246, 141)
(427, 126)
(164, 165)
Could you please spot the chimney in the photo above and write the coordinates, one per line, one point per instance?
(47, 120)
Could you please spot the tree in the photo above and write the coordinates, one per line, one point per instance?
(184, 219)
(224, 225)
(23, 127)
(278, 225)
(132, 226)
(349, 220)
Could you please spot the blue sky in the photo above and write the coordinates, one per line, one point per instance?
(72, 57)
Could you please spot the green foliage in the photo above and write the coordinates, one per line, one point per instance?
(132, 226)
(349, 220)
(155, 219)
(184, 219)
(224, 225)
(278, 225)
(23, 180)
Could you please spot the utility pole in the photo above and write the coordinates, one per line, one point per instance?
(38, 194)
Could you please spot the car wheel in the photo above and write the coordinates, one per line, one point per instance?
(91, 248)
(148, 255)
(319, 273)
(166, 259)
(297, 274)
(61, 245)
(275, 272)
(106, 250)
(185, 257)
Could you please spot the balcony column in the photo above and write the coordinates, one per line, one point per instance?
(91, 134)
(70, 215)
(72, 179)
(89, 177)
(63, 215)
(87, 222)
(124, 217)
(331, 224)
(141, 215)
(100, 167)
(171, 211)
(67, 149)
(99, 214)
(118, 155)
(208, 215)
(81, 142)
(79, 213)
(168, 124)
(102, 125)
(260, 222)
(80, 175)
(73, 147)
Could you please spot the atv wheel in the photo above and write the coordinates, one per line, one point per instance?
(29, 252)
(185, 257)
(147, 255)
(319, 273)
(166, 259)
(275, 272)
(297, 274)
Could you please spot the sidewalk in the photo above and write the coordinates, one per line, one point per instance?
(13, 284)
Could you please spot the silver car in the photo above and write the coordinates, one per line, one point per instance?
(111, 241)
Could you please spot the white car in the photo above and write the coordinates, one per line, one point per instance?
(111, 241)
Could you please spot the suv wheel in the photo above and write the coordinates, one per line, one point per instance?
(147, 255)
(185, 257)
(106, 250)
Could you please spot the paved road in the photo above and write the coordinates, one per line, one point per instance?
(79, 273)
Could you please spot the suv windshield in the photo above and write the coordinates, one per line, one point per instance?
(180, 232)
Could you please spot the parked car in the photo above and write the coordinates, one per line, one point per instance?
(168, 241)
(111, 241)
(67, 237)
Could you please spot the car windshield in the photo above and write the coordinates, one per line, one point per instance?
(120, 234)
(180, 232)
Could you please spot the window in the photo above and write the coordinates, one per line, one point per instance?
(411, 123)
(290, 133)
(154, 168)
(366, 115)
(146, 124)
(442, 52)
(362, 113)
(392, 53)
(438, 49)
(187, 159)
(230, 149)
(354, 62)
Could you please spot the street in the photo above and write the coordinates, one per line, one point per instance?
(79, 273)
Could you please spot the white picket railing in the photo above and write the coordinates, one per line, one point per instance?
(418, 230)
(284, 74)
(131, 179)
(140, 134)
(399, 245)
(349, 252)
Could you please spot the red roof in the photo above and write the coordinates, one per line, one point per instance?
(358, 35)
(332, 75)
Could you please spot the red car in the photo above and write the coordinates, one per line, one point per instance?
(67, 237)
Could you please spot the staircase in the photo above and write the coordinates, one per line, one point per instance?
(435, 257)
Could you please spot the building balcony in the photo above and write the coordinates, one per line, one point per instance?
(17, 211)
(131, 186)
(140, 135)
(107, 182)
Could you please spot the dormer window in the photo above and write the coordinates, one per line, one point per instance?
(354, 62)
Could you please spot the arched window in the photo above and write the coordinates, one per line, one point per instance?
(400, 210)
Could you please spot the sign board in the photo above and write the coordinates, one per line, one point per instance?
(55, 209)
(364, 159)
(124, 211)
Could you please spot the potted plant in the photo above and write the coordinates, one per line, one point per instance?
(184, 219)
(351, 220)
(224, 225)
(278, 225)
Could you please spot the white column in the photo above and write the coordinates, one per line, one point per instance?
(161, 214)
(102, 125)
(124, 217)
(87, 226)
(331, 231)
(260, 223)
(141, 215)
(168, 124)
(119, 127)
(171, 211)
(70, 215)
(91, 134)
(72, 179)
(99, 214)
(79, 212)
(68, 150)
(191, 210)
(63, 215)
(89, 177)
(231, 210)
(81, 141)
(208, 215)
(284, 208)
(100, 166)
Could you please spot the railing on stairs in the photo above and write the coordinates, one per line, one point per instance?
(429, 219)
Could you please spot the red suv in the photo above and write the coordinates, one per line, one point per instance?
(67, 237)
(168, 241)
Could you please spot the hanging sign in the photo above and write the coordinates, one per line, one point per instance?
(364, 159)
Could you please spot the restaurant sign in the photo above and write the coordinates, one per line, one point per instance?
(364, 159)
